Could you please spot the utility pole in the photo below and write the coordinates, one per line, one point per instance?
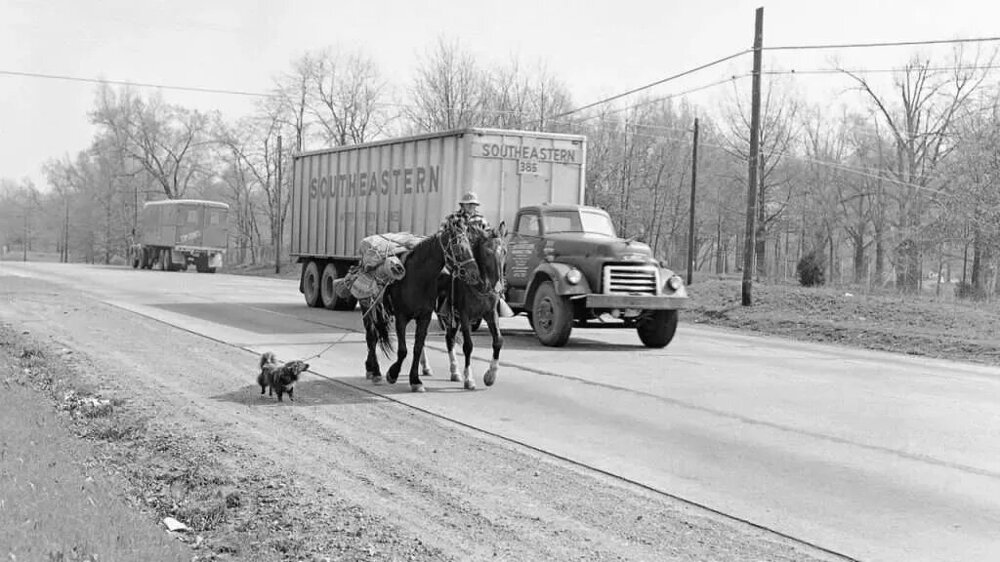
(694, 183)
(65, 244)
(749, 242)
(277, 246)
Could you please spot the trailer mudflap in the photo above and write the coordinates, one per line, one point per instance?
(638, 302)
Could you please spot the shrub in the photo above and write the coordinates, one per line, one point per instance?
(965, 290)
(810, 269)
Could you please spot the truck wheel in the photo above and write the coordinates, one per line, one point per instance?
(552, 316)
(168, 262)
(656, 328)
(201, 265)
(310, 285)
(328, 293)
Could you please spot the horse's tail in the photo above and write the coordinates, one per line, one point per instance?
(380, 323)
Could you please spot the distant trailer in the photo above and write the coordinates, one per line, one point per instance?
(179, 232)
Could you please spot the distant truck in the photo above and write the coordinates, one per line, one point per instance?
(179, 232)
(566, 266)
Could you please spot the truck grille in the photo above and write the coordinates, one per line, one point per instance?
(631, 279)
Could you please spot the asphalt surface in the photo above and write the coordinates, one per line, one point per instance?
(872, 455)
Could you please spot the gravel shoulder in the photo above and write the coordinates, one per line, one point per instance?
(181, 431)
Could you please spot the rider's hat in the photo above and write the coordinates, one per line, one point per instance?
(469, 199)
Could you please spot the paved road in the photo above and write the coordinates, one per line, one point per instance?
(873, 455)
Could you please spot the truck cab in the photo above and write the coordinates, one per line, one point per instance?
(566, 265)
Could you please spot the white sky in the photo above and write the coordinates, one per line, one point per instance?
(598, 48)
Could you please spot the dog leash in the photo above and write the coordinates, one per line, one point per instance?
(342, 336)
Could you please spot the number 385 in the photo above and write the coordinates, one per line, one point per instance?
(527, 167)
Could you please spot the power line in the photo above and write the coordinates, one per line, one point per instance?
(881, 44)
(652, 84)
(129, 83)
(653, 100)
(874, 70)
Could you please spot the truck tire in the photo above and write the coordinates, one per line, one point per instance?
(327, 293)
(168, 261)
(310, 285)
(657, 327)
(551, 315)
(201, 265)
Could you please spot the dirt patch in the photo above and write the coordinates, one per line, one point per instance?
(916, 325)
(178, 422)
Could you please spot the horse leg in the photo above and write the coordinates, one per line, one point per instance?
(491, 374)
(423, 321)
(467, 376)
(394, 369)
(425, 367)
(372, 370)
(449, 340)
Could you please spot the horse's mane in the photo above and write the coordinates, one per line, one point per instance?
(421, 250)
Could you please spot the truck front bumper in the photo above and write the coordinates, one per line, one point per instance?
(635, 302)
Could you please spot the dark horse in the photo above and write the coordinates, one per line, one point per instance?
(462, 302)
(413, 298)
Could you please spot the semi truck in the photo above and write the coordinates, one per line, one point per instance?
(176, 233)
(566, 266)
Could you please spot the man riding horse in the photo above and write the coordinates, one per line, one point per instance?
(467, 213)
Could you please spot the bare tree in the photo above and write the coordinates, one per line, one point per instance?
(346, 96)
(920, 117)
(448, 92)
(778, 132)
(169, 142)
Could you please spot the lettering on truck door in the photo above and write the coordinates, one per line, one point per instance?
(524, 250)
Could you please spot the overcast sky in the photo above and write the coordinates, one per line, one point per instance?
(598, 48)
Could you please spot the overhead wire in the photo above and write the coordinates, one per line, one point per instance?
(653, 84)
(130, 83)
(881, 44)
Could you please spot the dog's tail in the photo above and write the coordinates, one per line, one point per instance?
(267, 357)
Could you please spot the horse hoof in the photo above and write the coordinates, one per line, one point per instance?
(417, 388)
(489, 378)
(376, 380)
(369, 375)
(427, 373)
(469, 385)
(455, 377)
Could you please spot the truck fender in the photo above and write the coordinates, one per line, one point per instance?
(556, 272)
(666, 274)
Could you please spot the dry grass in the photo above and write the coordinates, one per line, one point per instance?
(925, 324)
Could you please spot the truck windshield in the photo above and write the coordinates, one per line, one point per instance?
(578, 221)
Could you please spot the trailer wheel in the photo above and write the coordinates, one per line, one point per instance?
(201, 265)
(657, 327)
(328, 292)
(311, 285)
(136, 257)
(552, 316)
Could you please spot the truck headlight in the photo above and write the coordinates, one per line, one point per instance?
(573, 276)
(675, 283)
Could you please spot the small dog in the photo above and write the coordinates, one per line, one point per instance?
(279, 377)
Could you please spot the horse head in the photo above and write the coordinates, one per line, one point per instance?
(490, 250)
(458, 253)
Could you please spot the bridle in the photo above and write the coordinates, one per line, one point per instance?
(483, 289)
(460, 268)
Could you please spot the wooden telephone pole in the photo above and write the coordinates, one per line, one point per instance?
(749, 236)
(279, 241)
(694, 183)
